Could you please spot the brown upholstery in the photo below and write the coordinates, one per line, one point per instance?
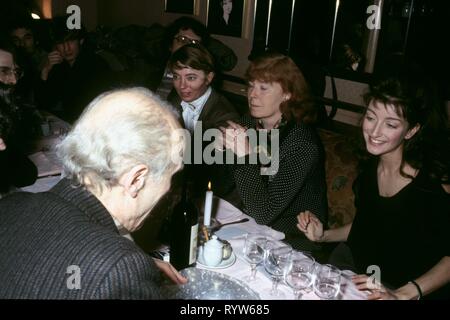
(341, 170)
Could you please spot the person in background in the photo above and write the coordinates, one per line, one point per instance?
(23, 37)
(10, 72)
(193, 70)
(348, 58)
(278, 98)
(402, 196)
(24, 117)
(72, 75)
(29, 55)
(66, 243)
(198, 103)
(187, 30)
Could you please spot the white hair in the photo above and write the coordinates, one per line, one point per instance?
(118, 130)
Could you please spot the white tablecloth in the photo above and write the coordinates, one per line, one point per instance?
(226, 212)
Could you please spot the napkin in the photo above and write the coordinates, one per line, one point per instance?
(46, 163)
(226, 212)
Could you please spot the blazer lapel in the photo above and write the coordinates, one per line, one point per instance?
(208, 108)
(176, 103)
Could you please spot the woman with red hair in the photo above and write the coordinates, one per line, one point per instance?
(281, 106)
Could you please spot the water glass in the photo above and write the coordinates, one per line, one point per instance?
(254, 252)
(328, 282)
(276, 265)
(300, 273)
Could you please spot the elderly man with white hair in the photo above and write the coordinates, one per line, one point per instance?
(64, 244)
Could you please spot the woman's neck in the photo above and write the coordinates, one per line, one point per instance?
(271, 123)
(390, 164)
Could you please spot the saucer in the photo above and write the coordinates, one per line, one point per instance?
(224, 264)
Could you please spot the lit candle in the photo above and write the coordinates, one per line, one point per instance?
(208, 206)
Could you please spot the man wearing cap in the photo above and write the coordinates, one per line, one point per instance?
(72, 75)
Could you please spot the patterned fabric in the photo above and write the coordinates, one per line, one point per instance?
(298, 185)
(341, 170)
(42, 235)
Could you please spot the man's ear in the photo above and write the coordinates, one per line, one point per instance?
(134, 179)
(411, 132)
(210, 77)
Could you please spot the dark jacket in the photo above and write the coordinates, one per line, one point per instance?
(46, 237)
(16, 170)
(69, 89)
(216, 111)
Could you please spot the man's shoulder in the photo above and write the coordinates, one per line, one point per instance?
(23, 199)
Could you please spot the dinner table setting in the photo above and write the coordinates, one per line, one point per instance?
(257, 266)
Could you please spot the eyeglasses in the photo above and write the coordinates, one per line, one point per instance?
(186, 40)
(9, 72)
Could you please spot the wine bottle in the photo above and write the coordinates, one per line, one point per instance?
(184, 233)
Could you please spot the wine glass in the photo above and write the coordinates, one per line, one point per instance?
(300, 273)
(328, 282)
(254, 251)
(276, 264)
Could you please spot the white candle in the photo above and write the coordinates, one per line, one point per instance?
(208, 206)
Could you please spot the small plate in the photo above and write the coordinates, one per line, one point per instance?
(224, 264)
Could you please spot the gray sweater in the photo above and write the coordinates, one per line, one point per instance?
(48, 239)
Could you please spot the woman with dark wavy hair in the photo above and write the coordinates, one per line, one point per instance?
(279, 98)
(402, 196)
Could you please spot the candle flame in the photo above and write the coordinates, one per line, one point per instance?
(209, 185)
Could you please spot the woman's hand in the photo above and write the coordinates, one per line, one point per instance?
(310, 225)
(235, 139)
(376, 289)
(170, 271)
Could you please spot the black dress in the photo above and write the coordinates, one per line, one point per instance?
(406, 234)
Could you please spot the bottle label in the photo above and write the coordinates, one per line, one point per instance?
(193, 244)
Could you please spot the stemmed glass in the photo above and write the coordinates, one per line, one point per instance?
(254, 251)
(300, 273)
(328, 282)
(276, 264)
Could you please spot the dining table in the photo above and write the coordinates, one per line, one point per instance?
(239, 269)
